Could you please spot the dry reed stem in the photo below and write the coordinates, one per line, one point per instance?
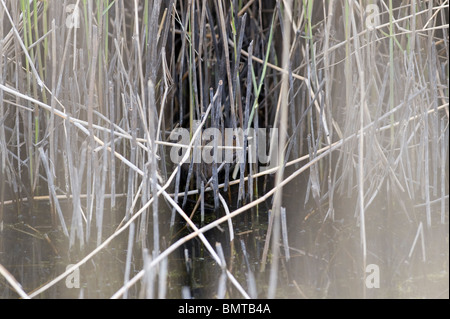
(13, 282)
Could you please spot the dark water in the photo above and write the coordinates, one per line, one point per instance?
(325, 257)
(35, 252)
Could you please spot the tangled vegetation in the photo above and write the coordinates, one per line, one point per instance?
(91, 90)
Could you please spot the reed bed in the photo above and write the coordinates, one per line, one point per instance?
(92, 91)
